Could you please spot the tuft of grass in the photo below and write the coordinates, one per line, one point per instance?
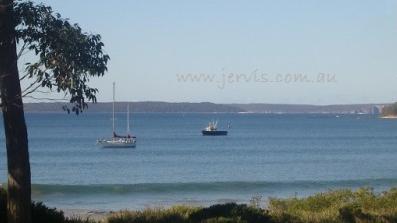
(363, 205)
(175, 214)
(230, 212)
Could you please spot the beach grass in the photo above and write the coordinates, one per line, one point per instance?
(362, 205)
(229, 212)
(339, 206)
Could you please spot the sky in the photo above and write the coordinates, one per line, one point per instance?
(295, 52)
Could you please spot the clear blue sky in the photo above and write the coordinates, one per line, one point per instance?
(150, 42)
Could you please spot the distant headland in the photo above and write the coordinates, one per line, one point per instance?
(207, 107)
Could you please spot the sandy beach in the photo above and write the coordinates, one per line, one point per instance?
(389, 117)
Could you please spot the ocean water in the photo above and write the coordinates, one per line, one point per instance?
(263, 155)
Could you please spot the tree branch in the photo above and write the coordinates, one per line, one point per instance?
(21, 50)
(23, 77)
(35, 85)
(31, 91)
(48, 99)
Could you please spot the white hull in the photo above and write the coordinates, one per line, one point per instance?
(117, 143)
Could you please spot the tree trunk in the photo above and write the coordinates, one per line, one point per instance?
(19, 186)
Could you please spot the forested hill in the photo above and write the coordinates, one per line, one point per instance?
(296, 108)
(206, 107)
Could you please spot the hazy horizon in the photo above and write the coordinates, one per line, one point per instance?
(221, 103)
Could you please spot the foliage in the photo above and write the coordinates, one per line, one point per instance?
(230, 212)
(176, 215)
(40, 213)
(66, 56)
(363, 205)
(256, 201)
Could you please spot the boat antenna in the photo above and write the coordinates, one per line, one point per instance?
(114, 98)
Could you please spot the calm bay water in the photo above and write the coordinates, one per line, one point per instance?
(263, 155)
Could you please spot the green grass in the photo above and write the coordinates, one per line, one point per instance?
(230, 212)
(362, 205)
(340, 206)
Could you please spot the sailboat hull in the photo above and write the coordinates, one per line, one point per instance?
(117, 143)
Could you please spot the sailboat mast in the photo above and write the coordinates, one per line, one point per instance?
(128, 118)
(114, 98)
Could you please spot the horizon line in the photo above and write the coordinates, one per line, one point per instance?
(203, 102)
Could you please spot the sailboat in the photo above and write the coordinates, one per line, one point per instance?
(118, 141)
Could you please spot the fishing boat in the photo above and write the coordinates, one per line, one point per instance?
(118, 141)
(212, 130)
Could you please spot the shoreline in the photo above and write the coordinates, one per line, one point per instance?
(389, 117)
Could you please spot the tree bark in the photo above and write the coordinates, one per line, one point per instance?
(19, 185)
